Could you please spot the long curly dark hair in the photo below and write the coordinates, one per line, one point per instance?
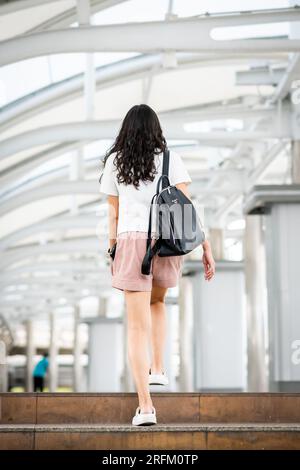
(139, 140)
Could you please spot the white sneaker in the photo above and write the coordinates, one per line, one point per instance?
(144, 418)
(158, 379)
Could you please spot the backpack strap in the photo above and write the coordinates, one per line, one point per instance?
(164, 178)
(165, 170)
(151, 251)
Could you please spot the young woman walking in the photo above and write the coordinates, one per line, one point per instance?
(132, 168)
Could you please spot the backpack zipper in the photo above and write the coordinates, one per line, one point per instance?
(167, 188)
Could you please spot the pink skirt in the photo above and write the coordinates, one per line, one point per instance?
(126, 266)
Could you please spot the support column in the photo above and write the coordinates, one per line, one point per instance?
(295, 151)
(3, 368)
(281, 208)
(186, 353)
(294, 28)
(84, 19)
(77, 166)
(29, 355)
(219, 329)
(283, 261)
(217, 242)
(77, 352)
(257, 325)
(102, 309)
(106, 359)
(53, 353)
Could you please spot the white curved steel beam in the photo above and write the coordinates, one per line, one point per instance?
(91, 187)
(13, 6)
(54, 223)
(10, 6)
(47, 177)
(50, 190)
(70, 132)
(45, 284)
(110, 75)
(19, 170)
(69, 268)
(88, 245)
(32, 301)
(48, 281)
(90, 265)
(70, 16)
(10, 176)
(95, 130)
(71, 87)
(153, 36)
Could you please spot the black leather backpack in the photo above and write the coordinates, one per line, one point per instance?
(177, 224)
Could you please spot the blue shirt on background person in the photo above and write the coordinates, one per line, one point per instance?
(41, 367)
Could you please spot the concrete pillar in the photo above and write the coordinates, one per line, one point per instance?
(84, 19)
(295, 151)
(186, 352)
(283, 261)
(106, 360)
(53, 350)
(77, 353)
(102, 309)
(256, 305)
(77, 166)
(216, 236)
(294, 29)
(219, 339)
(280, 206)
(29, 355)
(3, 368)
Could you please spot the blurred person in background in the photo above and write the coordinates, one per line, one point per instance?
(39, 373)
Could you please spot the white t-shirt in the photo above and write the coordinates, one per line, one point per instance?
(134, 203)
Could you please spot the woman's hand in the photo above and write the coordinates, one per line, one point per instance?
(209, 265)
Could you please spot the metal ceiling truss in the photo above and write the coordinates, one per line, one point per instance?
(154, 36)
(97, 130)
(84, 255)
(110, 75)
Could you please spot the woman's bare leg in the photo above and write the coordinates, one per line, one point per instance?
(138, 337)
(158, 329)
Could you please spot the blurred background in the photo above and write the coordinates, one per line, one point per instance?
(224, 78)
